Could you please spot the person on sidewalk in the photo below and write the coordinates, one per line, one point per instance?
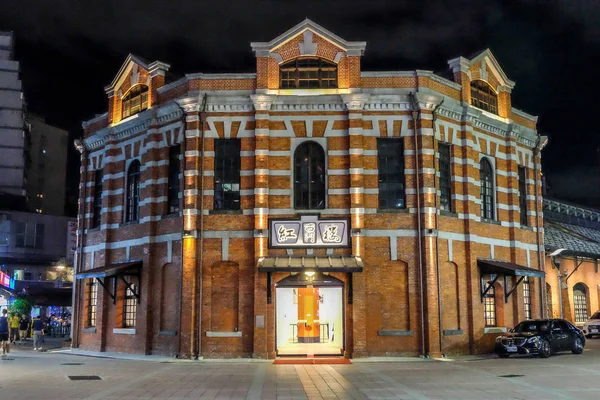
(4, 332)
(23, 328)
(37, 333)
(14, 327)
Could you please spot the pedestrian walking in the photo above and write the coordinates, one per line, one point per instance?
(37, 333)
(4, 333)
(14, 327)
(23, 328)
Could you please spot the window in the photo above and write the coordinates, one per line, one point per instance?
(227, 174)
(135, 101)
(523, 195)
(486, 176)
(92, 302)
(30, 235)
(173, 189)
(490, 307)
(130, 303)
(390, 161)
(526, 298)
(309, 177)
(580, 303)
(445, 177)
(133, 192)
(308, 73)
(484, 97)
(97, 215)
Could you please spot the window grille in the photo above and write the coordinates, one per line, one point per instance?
(390, 161)
(308, 73)
(484, 97)
(133, 192)
(309, 177)
(227, 174)
(490, 307)
(135, 101)
(487, 189)
(445, 177)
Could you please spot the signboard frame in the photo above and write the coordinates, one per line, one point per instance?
(300, 222)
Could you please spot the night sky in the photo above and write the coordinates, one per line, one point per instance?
(70, 49)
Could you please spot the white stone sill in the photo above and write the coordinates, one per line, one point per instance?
(223, 334)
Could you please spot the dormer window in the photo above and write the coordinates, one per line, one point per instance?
(484, 97)
(308, 73)
(135, 101)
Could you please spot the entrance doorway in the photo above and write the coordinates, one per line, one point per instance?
(310, 315)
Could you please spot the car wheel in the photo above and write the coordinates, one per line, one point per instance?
(577, 346)
(503, 355)
(544, 350)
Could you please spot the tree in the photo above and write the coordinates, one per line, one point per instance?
(22, 304)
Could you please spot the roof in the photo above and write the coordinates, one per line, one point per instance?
(576, 229)
(569, 237)
(123, 268)
(507, 268)
(310, 263)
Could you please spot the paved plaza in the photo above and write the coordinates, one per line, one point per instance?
(29, 375)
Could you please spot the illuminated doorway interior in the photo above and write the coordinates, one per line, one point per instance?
(310, 316)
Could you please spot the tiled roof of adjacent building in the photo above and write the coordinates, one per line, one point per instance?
(573, 228)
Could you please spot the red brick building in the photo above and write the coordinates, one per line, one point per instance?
(308, 208)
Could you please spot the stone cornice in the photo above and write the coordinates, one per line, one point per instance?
(97, 118)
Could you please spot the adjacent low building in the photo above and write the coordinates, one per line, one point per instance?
(308, 207)
(572, 239)
(36, 254)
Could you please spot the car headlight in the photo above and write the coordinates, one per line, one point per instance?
(498, 339)
(533, 340)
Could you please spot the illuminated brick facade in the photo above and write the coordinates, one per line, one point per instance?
(201, 292)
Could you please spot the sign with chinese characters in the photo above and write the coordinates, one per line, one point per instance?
(308, 231)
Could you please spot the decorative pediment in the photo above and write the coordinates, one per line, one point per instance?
(483, 66)
(305, 39)
(133, 71)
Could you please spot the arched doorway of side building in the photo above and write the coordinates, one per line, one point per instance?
(309, 316)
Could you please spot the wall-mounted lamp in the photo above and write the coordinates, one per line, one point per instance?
(188, 233)
(310, 274)
(357, 232)
(556, 252)
(259, 232)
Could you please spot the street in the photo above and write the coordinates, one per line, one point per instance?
(28, 375)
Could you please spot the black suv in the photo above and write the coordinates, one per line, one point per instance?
(542, 337)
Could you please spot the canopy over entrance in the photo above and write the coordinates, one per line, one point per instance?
(310, 263)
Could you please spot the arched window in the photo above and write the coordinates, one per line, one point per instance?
(133, 192)
(486, 177)
(484, 97)
(580, 303)
(489, 310)
(308, 73)
(309, 176)
(135, 101)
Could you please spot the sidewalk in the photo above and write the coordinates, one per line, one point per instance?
(49, 343)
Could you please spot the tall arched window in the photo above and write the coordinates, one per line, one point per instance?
(486, 177)
(135, 101)
(133, 192)
(309, 176)
(580, 303)
(489, 310)
(484, 97)
(308, 73)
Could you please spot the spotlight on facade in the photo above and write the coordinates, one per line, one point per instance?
(310, 274)
(188, 233)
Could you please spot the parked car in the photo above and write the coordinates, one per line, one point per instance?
(542, 337)
(592, 326)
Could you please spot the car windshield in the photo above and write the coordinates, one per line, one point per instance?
(533, 326)
(596, 315)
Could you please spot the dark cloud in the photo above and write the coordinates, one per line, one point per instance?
(550, 48)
